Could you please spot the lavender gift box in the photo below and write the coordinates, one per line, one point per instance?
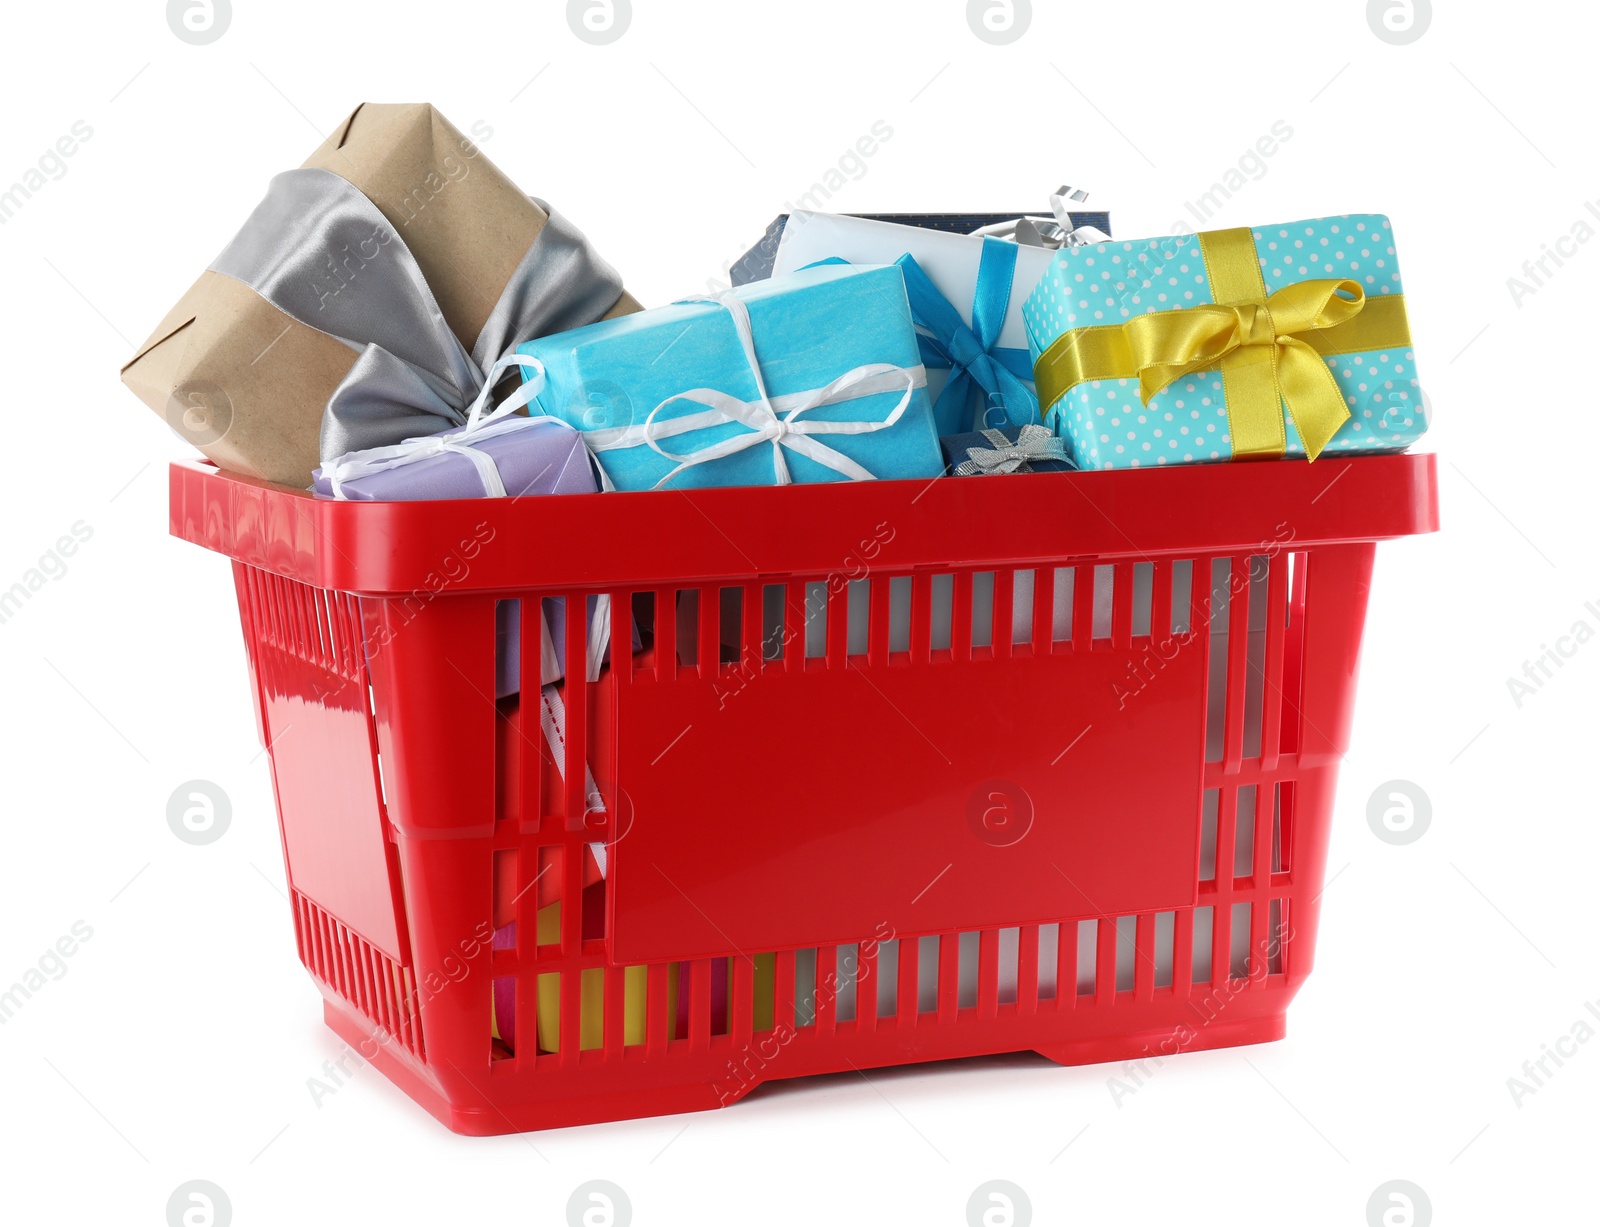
(532, 456)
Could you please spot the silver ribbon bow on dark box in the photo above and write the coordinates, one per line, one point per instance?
(1007, 449)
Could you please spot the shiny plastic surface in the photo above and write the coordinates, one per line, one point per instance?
(978, 765)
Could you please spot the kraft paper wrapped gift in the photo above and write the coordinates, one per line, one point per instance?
(1279, 340)
(378, 282)
(813, 377)
(966, 293)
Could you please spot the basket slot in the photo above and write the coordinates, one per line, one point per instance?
(1010, 965)
(1277, 626)
(805, 988)
(1046, 970)
(1282, 937)
(1074, 961)
(984, 615)
(967, 968)
(776, 629)
(1293, 653)
(927, 964)
(1244, 832)
(1237, 664)
(1227, 822)
(576, 696)
(1282, 825)
(1212, 612)
(1240, 945)
(1256, 677)
(1127, 929)
(797, 613)
(949, 976)
(700, 1002)
(1182, 576)
(1210, 803)
(1201, 944)
(884, 962)
(847, 967)
(941, 614)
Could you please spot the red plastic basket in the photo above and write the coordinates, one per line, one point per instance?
(937, 769)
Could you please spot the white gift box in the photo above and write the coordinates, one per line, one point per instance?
(949, 260)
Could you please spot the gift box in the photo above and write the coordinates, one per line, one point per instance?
(364, 300)
(1006, 449)
(757, 263)
(814, 377)
(966, 293)
(1282, 340)
(503, 457)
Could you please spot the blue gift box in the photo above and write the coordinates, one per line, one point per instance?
(1187, 421)
(812, 377)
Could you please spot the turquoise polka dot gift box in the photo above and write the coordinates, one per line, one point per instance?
(1286, 340)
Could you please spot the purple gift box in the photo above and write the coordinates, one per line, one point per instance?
(531, 456)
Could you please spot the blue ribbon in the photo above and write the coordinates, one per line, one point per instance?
(984, 376)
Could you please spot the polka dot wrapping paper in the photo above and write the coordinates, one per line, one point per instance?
(1104, 421)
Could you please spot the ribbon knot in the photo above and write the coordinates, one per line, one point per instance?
(984, 377)
(1033, 442)
(1265, 362)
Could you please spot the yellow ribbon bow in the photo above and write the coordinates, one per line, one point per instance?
(1271, 349)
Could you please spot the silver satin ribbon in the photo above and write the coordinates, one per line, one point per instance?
(318, 250)
(1004, 456)
(1038, 232)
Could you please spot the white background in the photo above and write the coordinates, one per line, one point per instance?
(178, 1043)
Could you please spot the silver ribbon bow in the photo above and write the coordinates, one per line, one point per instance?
(1003, 456)
(322, 253)
(1038, 232)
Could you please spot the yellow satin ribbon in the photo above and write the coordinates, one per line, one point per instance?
(1269, 348)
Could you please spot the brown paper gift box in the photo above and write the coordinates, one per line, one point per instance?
(247, 384)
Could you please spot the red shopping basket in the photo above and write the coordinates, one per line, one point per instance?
(879, 773)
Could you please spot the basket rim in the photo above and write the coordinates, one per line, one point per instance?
(687, 538)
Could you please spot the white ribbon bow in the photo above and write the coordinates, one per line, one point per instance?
(770, 419)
